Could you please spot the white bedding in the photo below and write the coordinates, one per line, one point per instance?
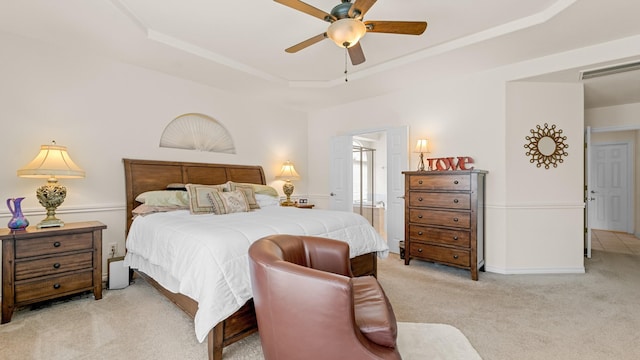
(205, 257)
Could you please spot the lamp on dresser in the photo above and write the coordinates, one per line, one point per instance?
(421, 148)
(51, 163)
(288, 173)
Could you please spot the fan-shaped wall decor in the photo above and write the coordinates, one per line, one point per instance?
(197, 132)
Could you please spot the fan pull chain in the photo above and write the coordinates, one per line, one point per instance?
(346, 55)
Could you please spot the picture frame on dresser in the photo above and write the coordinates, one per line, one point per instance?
(444, 218)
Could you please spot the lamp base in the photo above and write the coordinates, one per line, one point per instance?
(51, 196)
(287, 188)
(47, 223)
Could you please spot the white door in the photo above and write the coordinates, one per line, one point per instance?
(341, 177)
(588, 198)
(610, 178)
(397, 162)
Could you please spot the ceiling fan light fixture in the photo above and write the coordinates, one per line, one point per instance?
(346, 32)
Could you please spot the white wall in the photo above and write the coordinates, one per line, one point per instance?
(467, 115)
(104, 111)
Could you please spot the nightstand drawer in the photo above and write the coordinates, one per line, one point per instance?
(439, 182)
(53, 244)
(440, 200)
(441, 236)
(440, 254)
(459, 219)
(53, 286)
(53, 265)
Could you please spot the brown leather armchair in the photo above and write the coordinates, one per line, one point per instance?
(309, 306)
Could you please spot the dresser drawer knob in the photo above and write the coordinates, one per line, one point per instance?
(56, 286)
(419, 199)
(420, 250)
(56, 266)
(420, 182)
(455, 219)
(455, 182)
(455, 257)
(419, 232)
(455, 201)
(56, 244)
(455, 238)
(420, 216)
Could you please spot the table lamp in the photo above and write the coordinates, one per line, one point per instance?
(53, 162)
(421, 147)
(288, 173)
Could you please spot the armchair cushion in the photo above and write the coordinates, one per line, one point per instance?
(373, 312)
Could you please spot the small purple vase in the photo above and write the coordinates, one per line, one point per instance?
(18, 221)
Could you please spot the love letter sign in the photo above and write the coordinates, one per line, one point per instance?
(450, 163)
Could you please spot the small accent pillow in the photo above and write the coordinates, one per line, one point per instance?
(198, 201)
(228, 202)
(164, 198)
(248, 192)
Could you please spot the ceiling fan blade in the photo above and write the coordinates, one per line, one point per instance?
(306, 43)
(396, 27)
(356, 54)
(360, 7)
(307, 9)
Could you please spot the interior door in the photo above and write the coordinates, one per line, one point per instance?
(610, 188)
(397, 162)
(341, 177)
(588, 199)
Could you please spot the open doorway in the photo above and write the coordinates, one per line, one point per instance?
(370, 179)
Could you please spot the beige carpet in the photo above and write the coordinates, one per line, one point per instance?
(138, 323)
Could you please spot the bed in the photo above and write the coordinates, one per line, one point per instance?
(148, 175)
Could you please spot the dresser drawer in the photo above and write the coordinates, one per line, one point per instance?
(440, 254)
(53, 244)
(53, 265)
(453, 182)
(440, 200)
(441, 236)
(458, 219)
(51, 287)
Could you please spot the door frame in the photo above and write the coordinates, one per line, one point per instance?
(394, 222)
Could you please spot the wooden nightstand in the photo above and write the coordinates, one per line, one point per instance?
(44, 264)
(305, 206)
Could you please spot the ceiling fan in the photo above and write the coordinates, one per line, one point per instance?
(347, 26)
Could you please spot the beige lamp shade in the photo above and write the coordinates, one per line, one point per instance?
(422, 146)
(52, 161)
(288, 172)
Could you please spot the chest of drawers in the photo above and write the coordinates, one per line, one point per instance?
(444, 218)
(43, 264)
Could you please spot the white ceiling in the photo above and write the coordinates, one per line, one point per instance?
(238, 46)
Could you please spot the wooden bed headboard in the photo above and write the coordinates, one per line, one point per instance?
(147, 175)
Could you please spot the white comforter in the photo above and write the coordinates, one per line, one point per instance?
(205, 257)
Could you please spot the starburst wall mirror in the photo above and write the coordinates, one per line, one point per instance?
(546, 146)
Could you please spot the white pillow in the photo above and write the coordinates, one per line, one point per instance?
(267, 200)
